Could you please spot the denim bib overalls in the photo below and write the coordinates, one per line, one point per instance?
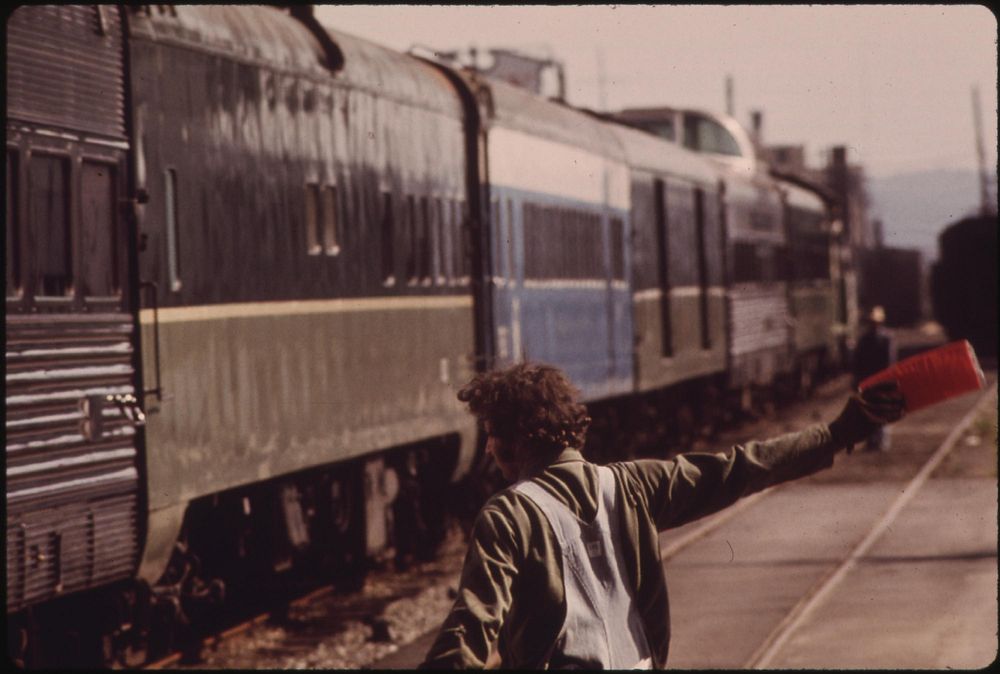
(602, 628)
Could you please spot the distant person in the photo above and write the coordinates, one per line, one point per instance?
(563, 567)
(875, 351)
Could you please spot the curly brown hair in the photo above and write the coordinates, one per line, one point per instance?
(531, 402)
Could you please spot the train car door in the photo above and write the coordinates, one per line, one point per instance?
(506, 296)
(73, 484)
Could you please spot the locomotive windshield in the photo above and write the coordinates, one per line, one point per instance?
(664, 128)
(702, 134)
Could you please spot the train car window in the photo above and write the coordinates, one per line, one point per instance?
(13, 227)
(706, 135)
(313, 246)
(577, 223)
(49, 222)
(699, 220)
(98, 230)
(617, 249)
(459, 216)
(683, 239)
(756, 263)
(437, 245)
(447, 241)
(746, 266)
(358, 193)
(713, 239)
(562, 243)
(451, 242)
(663, 268)
(569, 261)
(551, 224)
(424, 249)
(410, 234)
(769, 263)
(173, 230)
(510, 240)
(663, 128)
(388, 248)
(331, 221)
(809, 246)
(532, 242)
(496, 234)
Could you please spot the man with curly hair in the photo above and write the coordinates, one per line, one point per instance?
(563, 568)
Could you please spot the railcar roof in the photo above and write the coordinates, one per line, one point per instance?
(272, 37)
(259, 34)
(523, 110)
(395, 75)
(651, 153)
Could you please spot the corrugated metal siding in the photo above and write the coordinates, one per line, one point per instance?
(759, 320)
(65, 70)
(71, 493)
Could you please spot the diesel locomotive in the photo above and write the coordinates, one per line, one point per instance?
(250, 259)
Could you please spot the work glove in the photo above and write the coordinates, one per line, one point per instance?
(865, 412)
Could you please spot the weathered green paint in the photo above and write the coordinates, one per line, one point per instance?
(254, 397)
(162, 528)
(689, 359)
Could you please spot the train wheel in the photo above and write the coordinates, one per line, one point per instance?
(350, 565)
(420, 508)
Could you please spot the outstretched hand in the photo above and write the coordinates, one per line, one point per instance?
(866, 411)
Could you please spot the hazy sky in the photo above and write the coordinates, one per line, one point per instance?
(891, 82)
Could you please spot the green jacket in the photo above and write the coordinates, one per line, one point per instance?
(512, 587)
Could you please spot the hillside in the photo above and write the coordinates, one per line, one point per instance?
(915, 207)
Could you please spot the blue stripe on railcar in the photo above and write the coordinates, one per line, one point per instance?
(583, 326)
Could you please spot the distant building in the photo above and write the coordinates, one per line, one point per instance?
(846, 181)
(895, 278)
(540, 75)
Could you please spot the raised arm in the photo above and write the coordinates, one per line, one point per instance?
(697, 484)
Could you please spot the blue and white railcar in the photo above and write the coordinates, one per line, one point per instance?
(559, 217)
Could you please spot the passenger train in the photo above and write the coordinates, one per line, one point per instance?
(250, 260)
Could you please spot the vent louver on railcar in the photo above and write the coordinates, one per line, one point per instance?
(72, 517)
(64, 68)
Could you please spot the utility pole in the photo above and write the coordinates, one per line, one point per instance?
(602, 95)
(730, 103)
(985, 205)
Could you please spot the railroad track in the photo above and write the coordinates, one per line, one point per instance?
(214, 639)
(353, 627)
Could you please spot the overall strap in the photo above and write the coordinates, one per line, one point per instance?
(602, 624)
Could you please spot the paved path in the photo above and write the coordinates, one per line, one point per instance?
(923, 594)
